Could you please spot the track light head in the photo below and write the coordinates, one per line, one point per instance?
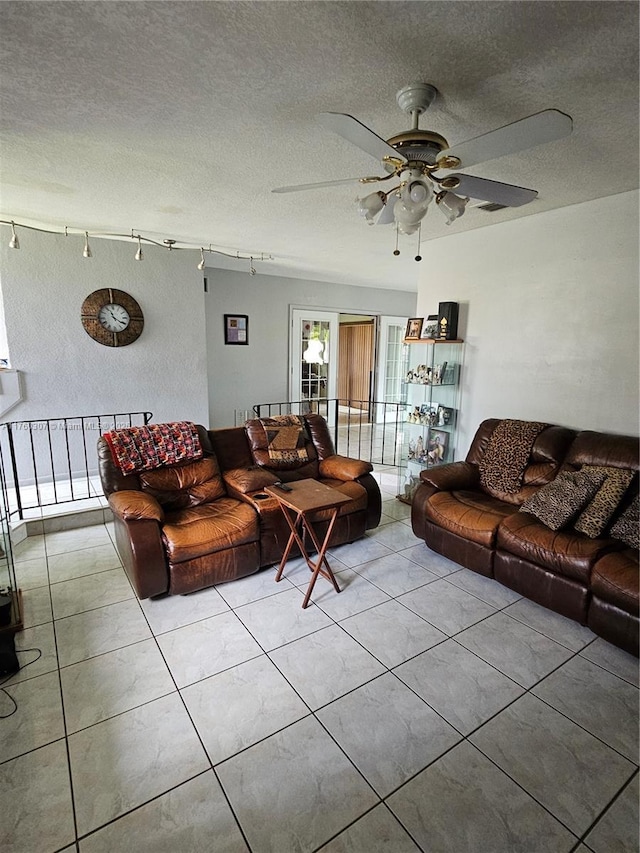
(202, 264)
(14, 243)
(86, 252)
(139, 256)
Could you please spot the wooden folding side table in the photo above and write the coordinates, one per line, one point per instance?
(305, 498)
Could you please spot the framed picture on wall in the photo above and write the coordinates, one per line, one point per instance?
(236, 329)
(414, 326)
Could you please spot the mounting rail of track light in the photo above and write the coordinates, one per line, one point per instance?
(169, 244)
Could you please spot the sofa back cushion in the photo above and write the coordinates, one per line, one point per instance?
(547, 455)
(186, 485)
(320, 436)
(601, 448)
(231, 447)
(112, 478)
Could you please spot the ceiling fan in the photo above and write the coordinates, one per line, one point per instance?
(415, 157)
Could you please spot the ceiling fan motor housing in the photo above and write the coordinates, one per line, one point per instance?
(421, 145)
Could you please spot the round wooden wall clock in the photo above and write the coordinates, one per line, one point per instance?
(112, 317)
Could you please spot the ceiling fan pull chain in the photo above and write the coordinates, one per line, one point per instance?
(396, 250)
(419, 256)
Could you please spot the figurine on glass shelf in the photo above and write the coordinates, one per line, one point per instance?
(410, 486)
(422, 374)
(417, 450)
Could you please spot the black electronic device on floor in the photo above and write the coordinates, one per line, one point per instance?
(8, 657)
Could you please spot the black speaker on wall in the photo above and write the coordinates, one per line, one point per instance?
(448, 321)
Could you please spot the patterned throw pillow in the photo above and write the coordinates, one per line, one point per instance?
(559, 501)
(627, 527)
(596, 515)
(286, 440)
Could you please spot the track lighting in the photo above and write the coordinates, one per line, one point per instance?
(14, 243)
(169, 244)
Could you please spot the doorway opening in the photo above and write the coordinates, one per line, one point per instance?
(356, 363)
(350, 358)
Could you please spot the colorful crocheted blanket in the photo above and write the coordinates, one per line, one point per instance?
(286, 436)
(144, 448)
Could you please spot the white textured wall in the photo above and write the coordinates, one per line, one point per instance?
(239, 376)
(549, 313)
(65, 371)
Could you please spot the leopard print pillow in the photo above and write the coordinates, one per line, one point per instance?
(627, 527)
(559, 501)
(596, 515)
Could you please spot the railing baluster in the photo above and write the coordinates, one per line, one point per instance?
(14, 470)
(60, 454)
(86, 458)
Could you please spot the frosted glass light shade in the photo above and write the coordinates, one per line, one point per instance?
(370, 206)
(452, 206)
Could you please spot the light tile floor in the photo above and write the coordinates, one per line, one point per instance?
(423, 708)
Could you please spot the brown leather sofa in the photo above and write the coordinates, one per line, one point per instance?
(185, 527)
(591, 580)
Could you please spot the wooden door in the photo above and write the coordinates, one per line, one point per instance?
(355, 362)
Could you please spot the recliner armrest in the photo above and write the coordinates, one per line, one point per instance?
(245, 480)
(454, 476)
(338, 467)
(129, 504)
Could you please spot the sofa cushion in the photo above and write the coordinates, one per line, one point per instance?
(615, 580)
(200, 530)
(559, 501)
(469, 514)
(626, 528)
(567, 553)
(596, 515)
(185, 485)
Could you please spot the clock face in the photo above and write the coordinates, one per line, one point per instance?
(113, 317)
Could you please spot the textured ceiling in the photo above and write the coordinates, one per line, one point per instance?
(177, 119)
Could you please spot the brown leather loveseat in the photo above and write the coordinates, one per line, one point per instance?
(180, 528)
(590, 578)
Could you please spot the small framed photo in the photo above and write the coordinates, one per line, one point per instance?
(236, 329)
(445, 416)
(437, 449)
(414, 327)
(429, 330)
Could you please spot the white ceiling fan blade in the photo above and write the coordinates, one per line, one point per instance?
(536, 129)
(506, 194)
(358, 134)
(386, 214)
(319, 185)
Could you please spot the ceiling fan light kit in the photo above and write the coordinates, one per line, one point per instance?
(415, 156)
